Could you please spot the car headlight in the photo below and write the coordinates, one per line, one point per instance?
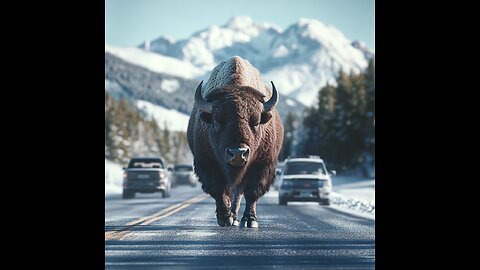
(287, 184)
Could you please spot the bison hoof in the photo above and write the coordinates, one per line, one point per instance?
(248, 223)
(252, 224)
(236, 222)
(225, 222)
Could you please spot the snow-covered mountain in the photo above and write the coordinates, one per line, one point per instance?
(300, 59)
(156, 62)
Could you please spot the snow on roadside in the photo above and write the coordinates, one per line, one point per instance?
(113, 177)
(354, 194)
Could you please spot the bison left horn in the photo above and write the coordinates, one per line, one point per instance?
(202, 104)
(269, 105)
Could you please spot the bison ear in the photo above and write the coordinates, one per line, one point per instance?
(206, 117)
(266, 116)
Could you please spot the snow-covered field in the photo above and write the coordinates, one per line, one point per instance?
(113, 177)
(170, 118)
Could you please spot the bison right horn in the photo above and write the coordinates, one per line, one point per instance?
(269, 105)
(202, 104)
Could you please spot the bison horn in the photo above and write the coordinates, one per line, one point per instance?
(202, 104)
(269, 105)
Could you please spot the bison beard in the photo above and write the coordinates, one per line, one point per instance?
(235, 137)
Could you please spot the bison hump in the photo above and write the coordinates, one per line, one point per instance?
(238, 72)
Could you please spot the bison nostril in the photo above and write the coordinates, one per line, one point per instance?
(245, 154)
(231, 153)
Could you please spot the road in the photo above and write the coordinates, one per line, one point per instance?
(181, 232)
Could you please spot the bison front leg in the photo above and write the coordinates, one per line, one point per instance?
(237, 198)
(214, 184)
(259, 180)
(224, 214)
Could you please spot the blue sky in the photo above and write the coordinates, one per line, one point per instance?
(129, 22)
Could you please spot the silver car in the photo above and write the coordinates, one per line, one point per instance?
(305, 180)
(183, 175)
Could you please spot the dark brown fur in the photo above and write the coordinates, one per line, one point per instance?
(235, 112)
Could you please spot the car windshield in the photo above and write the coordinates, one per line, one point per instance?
(183, 168)
(304, 168)
(145, 163)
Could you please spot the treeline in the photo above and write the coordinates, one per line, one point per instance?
(341, 127)
(128, 133)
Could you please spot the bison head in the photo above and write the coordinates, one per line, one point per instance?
(236, 117)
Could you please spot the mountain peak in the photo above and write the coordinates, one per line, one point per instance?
(238, 22)
(307, 21)
(300, 59)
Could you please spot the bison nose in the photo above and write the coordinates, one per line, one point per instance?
(237, 156)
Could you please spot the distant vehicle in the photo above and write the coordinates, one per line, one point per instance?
(305, 179)
(146, 175)
(183, 175)
(278, 173)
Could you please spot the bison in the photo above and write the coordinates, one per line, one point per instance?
(235, 135)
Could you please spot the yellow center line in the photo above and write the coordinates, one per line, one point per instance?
(121, 234)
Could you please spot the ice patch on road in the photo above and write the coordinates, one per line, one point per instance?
(197, 233)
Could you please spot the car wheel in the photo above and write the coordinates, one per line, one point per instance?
(282, 202)
(128, 194)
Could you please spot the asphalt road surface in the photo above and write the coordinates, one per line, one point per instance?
(181, 232)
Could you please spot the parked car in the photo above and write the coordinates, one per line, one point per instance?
(146, 175)
(305, 179)
(183, 175)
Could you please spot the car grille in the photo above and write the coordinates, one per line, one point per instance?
(307, 184)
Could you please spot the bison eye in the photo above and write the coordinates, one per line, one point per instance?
(254, 125)
(206, 117)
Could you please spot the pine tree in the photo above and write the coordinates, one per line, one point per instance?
(288, 137)
(369, 122)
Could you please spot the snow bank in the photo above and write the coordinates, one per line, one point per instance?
(354, 193)
(113, 177)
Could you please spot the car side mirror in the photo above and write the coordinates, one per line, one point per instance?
(170, 169)
(333, 172)
(124, 168)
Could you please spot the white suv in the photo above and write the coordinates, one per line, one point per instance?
(305, 180)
